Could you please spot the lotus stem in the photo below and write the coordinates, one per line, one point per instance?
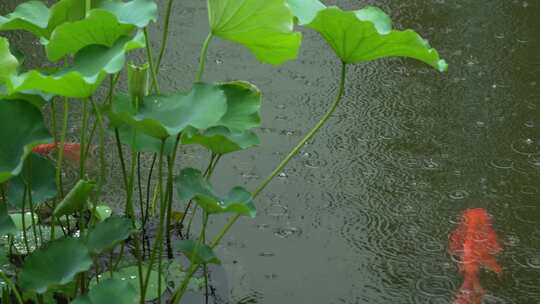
(159, 237)
(6, 279)
(155, 83)
(202, 57)
(165, 37)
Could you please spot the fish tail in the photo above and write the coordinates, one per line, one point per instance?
(470, 292)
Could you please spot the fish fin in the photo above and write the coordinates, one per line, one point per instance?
(490, 263)
(456, 240)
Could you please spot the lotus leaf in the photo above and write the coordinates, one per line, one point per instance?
(76, 199)
(196, 252)
(265, 27)
(366, 35)
(108, 233)
(26, 130)
(99, 27)
(165, 116)
(191, 184)
(55, 264)
(91, 65)
(40, 174)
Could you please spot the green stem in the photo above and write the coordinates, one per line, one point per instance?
(121, 156)
(165, 37)
(83, 138)
(12, 286)
(148, 188)
(130, 211)
(60, 148)
(170, 161)
(88, 6)
(23, 220)
(294, 151)
(102, 161)
(155, 83)
(159, 237)
(202, 57)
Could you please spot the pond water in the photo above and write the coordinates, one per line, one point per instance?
(364, 213)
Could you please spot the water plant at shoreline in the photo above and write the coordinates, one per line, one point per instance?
(42, 218)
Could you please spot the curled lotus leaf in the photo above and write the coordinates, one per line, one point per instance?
(191, 184)
(99, 27)
(136, 12)
(27, 130)
(265, 27)
(76, 199)
(36, 18)
(163, 116)
(55, 264)
(8, 62)
(232, 132)
(305, 10)
(220, 140)
(196, 252)
(39, 173)
(364, 35)
(243, 106)
(91, 65)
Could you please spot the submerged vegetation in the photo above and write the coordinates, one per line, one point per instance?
(62, 244)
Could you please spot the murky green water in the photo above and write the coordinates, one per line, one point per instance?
(363, 214)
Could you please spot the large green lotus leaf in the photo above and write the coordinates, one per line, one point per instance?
(7, 226)
(55, 264)
(366, 35)
(164, 116)
(130, 275)
(135, 12)
(265, 27)
(35, 17)
(191, 184)
(220, 140)
(112, 290)
(40, 174)
(305, 10)
(91, 65)
(108, 233)
(196, 252)
(99, 27)
(76, 199)
(24, 129)
(8, 62)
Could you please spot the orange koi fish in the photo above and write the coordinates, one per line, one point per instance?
(72, 151)
(475, 242)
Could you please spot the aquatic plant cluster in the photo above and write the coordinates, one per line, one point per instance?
(61, 243)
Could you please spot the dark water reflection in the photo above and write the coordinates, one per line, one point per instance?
(363, 214)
